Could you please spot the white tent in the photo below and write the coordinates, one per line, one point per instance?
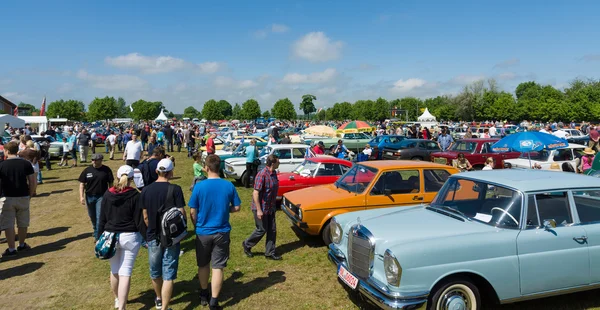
(161, 116)
(426, 119)
(39, 122)
(12, 121)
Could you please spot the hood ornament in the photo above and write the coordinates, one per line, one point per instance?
(358, 223)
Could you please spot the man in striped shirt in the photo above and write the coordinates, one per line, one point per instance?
(264, 196)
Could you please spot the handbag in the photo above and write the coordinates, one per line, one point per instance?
(256, 161)
(106, 246)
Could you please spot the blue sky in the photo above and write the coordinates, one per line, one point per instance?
(186, 52)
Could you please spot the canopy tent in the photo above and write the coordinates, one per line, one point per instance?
(161, 117)
(11, 121)
(39, 122)
(426, 119)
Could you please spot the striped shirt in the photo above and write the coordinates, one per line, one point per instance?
(267, 184)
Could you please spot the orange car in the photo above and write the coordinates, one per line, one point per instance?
(371, 184)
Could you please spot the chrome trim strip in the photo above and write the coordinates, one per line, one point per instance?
(552, 293)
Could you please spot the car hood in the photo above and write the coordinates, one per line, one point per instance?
(236, 161)
(322, 197)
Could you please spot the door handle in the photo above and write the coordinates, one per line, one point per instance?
(417, 198)
(581, 240)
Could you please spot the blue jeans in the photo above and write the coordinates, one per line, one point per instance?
(93, 206)
(39, 176)
(168, 144)
(163, 262)
(106, 147)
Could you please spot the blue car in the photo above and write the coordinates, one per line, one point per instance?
(385, 141)
(504, 234)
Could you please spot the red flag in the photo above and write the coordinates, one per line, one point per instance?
(43, 110)
(16, 112)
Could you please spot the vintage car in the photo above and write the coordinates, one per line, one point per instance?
(576, 136)
(411, 149)
(476, 152)
(353, 141)
(545, 158)
(506, 235)
(368, 185)
(312, 172)
(290, 156)
(386, 141)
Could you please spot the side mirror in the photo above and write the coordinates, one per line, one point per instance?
(549, 224)
(387, 192)
(292, 177)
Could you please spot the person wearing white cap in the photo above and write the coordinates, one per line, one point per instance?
(121, 214)
(163, 261)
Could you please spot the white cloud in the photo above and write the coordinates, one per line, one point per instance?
(158, 64)
(224, 81)
(279, 28)
(317, 47)
(312, 78)
(113, 82)
(65, 88)
(327, 91)
(508, 63)
(466, 79)
(247, 84)
(403, 86)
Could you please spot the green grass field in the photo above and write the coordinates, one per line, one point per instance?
(61, 271)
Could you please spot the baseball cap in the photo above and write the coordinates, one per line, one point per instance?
(125, 170)
(164, 165)
(97, 156)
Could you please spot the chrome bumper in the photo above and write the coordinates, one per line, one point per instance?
(231, 175)
(370, 289)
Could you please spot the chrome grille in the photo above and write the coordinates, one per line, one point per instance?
(360, 251)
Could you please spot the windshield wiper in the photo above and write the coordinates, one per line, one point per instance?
(455, 211)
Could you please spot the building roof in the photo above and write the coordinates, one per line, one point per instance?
(8, 101)
(399, 164)
(530, 180)
(426, 117)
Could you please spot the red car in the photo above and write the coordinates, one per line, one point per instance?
(476, 152)
(313, 171)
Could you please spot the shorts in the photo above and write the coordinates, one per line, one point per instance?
(163, 261)
(127, 250)
(14, 208)
(212, 249)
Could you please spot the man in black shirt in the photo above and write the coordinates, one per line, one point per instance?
(18, 184)
(93, 182)
(168, 131)
(83, 141)
(144, 137)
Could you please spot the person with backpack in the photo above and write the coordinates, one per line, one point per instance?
(211, 202)
(163, 206)
(121, 215)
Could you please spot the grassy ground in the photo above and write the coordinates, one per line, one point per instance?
(61, 271)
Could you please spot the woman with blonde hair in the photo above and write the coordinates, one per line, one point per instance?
(489, 164)
(120, 214)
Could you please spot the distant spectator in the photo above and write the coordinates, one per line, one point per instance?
(133, 152)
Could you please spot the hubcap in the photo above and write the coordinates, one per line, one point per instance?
(455, 299)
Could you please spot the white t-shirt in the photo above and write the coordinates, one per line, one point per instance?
(368, 152)
(133, 149)
(111, 139)
(492, 131)
(486, 167)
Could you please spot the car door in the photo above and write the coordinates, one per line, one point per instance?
(298, 156)
(551, 258)
(327, 173)
(285, 159)
(432, 147)
(395, 188)
(587, 204)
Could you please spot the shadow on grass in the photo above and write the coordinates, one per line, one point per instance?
(59, 191)
(20, 270)
(50, 178)
(48, 232)
(58, 181)
(53, 246)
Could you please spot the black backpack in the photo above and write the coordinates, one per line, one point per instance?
(146, 174)
(172, 226)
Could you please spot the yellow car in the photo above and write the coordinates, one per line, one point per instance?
(368, 185)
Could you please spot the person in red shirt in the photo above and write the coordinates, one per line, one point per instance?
(594, 139)
(210, 144)
(319, 149)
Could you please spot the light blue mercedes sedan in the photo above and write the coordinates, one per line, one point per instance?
(508, 235)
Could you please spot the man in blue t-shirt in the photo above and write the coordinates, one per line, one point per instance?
(211, 202)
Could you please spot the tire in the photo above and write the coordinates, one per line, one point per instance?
(325, 234)
(243, 179)
(418, 158)
(453, 293)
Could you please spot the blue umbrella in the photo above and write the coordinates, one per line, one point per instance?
(529, 141)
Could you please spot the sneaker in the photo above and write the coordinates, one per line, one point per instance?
(116, 303)
(246, 250)
(217, 307)
(8, 252)
(158, 303)
(23, 247)
(204, 297)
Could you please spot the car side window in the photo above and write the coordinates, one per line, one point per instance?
(587, 204)
(563, 155)
(299, 153)
(432, 146)
(421, 145)
(533, 220)
(283, 154)
(349, 136)
(328, 169)
(434, 179)
(344, 169)
(485, 148)
(397, 182)
(554, 206)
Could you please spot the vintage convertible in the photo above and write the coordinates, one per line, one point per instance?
(508, 235)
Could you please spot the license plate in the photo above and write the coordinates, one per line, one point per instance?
(389, 153)
(347, 277)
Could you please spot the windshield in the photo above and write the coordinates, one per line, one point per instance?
(376, 140)
(307, 167)
(542, 155)
(464, 146)
(362, 135)
(357, 179)
(265, 151)
(229, 146)
(479, 201)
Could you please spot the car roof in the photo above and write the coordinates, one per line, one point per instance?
(296, 145)
(395, 164)
(416, 140)
(480, 140)
(530, 180)
(330, 160)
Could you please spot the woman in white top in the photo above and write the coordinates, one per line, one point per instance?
(489, 164)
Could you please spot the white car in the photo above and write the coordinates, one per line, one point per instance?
(546, 158)
(290, 156)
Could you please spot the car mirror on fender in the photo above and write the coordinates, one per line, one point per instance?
(549, 224)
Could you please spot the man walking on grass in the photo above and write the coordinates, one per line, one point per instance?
(133, 152)
(18, 184)
(164, 262)
(211, 202)
(264, 196)
(93, 183)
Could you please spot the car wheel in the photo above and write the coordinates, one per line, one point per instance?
(325, 234)
(243, 180)
(418, 158)
(455, 293)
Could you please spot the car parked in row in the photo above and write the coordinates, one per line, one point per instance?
(476, 151)
(545, 158)
(505, 235)
(312, 172)
(411, 149)
(385, 141)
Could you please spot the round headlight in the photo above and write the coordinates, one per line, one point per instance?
(392, 268)
(335, 230)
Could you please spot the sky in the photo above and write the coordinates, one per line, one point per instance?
(184, 53)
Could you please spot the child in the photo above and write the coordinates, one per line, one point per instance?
(199, 173)
(66, 149)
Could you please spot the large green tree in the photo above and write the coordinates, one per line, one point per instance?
(381, 110)
(70, 109)
(28, 106)
(307, 105)
(101, 109)
(191, 112)
(225, 108)
(266, 114)
(237, 111)
(146, 110)
(123, 110)
(250, 110)
(284, 110)
(212, 110)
